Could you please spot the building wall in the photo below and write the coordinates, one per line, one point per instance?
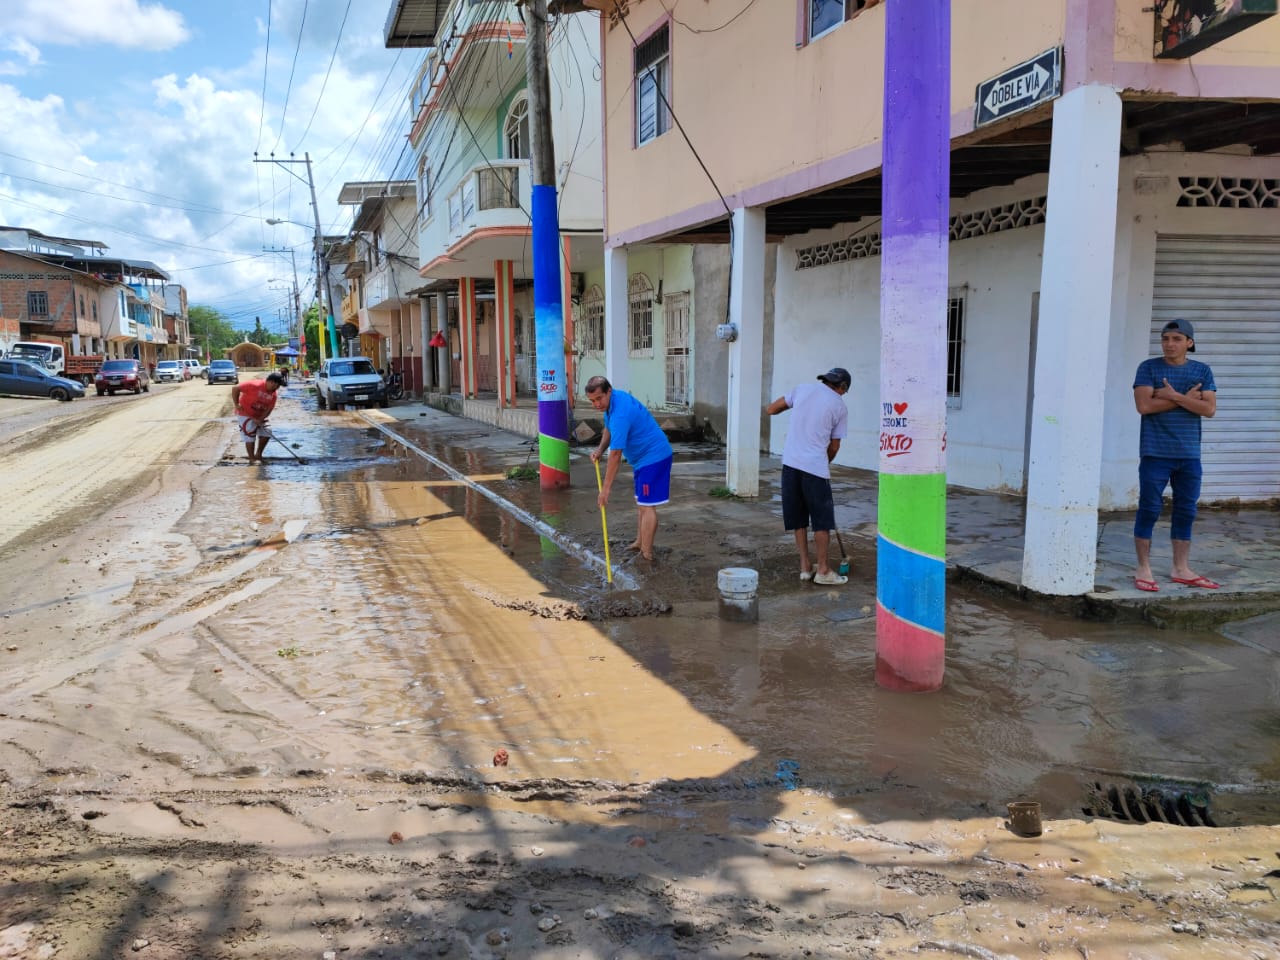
(780, 116)
(829, 315)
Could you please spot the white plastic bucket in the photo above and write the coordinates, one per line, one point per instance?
(738, 600)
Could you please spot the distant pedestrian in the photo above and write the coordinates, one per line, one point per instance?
(254, 400)
(1174, 394)
(819, 423)
(631, 431)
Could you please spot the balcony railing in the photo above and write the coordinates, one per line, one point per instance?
(495, 186)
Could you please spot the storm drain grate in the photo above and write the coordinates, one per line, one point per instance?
(1138, 803)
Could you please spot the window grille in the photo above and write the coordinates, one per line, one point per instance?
(640, 316)
(593, 320)
(37, 303)
(499, 188)
(955, 343)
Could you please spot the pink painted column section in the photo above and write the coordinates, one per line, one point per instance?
(504, 295)
(467, 330)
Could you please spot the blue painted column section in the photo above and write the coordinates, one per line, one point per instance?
(911, 540)
(548, 312)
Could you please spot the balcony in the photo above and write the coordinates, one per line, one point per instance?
(483, 219)
(350, 307)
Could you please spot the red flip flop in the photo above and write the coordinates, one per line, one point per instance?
(1150, 586)
(1197, 582)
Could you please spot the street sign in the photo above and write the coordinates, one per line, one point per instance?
(1020, 88)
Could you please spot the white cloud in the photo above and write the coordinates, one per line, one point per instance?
(28, 56)
(120, 23)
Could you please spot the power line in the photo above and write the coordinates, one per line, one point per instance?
(297, 48)
(324, 83)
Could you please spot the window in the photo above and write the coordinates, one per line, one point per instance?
(517, 129)
(37, 303)
(82, 304)
(424, 189)
(94, 305)
(640, 316)
(592, 328)
(955, 344)
(823, 16)
(653, 85)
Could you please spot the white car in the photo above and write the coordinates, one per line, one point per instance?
(350, 381)
(170, 370)
(195, 366)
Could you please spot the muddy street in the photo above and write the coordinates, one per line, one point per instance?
(343, 704)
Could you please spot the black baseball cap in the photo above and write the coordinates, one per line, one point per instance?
(836, 377)
(1183, 327)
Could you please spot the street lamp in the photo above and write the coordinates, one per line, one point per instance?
(324, 296)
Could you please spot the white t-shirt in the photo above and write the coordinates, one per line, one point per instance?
(818, 416)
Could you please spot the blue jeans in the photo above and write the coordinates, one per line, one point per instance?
(1156, 473)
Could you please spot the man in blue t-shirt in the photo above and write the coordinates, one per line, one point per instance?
(1173, 393)
(631, 431)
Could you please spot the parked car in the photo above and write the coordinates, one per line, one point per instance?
(20, 378)
(222, 371)
(350, 380)
(116, 375)
(174, 370)
(195, 366)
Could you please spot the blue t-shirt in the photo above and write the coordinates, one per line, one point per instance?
(1175, 433)
(633, 430)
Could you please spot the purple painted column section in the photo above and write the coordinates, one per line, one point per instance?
(911, 544)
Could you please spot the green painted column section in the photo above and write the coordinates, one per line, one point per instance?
(553, 452)
(913, 511)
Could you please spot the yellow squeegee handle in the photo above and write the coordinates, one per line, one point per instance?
(604, 524)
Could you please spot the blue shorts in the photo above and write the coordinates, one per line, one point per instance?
(806, 501)
(653, 483)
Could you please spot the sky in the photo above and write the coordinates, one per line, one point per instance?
(136, 122)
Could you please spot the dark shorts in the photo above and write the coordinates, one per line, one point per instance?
(653, 483)
(806, 501)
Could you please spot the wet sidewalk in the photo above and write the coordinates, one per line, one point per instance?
(1239, 548)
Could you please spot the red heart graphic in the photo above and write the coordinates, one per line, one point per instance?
(899, 408)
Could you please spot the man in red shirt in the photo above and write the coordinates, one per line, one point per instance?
(254, 400)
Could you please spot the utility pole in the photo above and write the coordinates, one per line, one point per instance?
(911, 542)
(548, 304)
(297, 298)
(323, 297)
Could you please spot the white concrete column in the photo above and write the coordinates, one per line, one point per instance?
(616, 308)
(444, 359)
(1060, 552)
(746, 353)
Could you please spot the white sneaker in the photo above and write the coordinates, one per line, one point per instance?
(830, 579)
(806, 576)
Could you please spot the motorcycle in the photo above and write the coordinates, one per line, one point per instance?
(395, 386)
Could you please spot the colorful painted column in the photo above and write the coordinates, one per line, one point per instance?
(553, 400)
(467, 332)
(911, 544)
(504, 291)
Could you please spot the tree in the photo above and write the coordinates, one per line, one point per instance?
(260, 335)
(212, 331)
(312, 332)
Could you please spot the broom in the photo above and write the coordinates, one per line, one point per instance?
(844, 558)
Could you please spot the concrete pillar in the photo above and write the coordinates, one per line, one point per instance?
(566, 278)
(504, 317)
(444, 357)
(467, 331)
(616, 310)
(1060, 551)
(746, 353)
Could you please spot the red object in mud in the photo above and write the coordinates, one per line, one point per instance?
(500, 758)
(395, 838)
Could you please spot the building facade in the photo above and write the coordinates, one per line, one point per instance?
(1126, 190)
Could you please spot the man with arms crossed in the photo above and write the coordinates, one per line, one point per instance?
(631, 431)
(821, 420)
(254, 400)
(1173, 393)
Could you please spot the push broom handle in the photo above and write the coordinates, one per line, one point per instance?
(604, 524)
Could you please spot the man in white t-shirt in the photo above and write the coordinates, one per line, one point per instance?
(820, 422)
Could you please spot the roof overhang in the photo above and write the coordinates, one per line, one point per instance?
(413, 23)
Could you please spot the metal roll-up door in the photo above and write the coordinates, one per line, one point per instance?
(1229, 288)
